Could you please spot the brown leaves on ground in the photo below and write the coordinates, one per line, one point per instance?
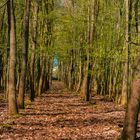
(61, 115)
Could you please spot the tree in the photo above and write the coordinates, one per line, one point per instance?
(131, 116)
(12, 101)
(92, 19)
(22, 83)
(132, 111)
(34, 28)
(126, 78)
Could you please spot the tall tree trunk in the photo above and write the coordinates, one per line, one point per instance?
(34, 41)
(12, 101)
(131, 117)
(93, 14)
(8, 48)
(125, 87)
(22, 87)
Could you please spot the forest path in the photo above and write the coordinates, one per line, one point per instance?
(60, 115)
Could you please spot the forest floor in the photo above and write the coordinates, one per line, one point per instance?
(60, 114)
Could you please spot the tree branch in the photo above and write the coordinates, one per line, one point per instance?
(1, 6)
(134, 43)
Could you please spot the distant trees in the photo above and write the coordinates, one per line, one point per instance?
(93, 56)
(101, 25)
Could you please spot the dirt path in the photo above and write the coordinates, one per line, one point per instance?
(61, 115)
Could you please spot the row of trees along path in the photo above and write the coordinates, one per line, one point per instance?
(95, 44)
(60, 114)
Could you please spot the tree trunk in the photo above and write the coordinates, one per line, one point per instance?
(1, 71)
(41, 80)
(34, 41)
(8, 48)
(131, 117)
(12, 101)
(125, 87)
(92, 19)
(22, 87)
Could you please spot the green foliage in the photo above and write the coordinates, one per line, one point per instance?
(63, 29)
(108, 45)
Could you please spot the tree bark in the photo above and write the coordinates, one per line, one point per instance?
(12, 101)
(22, 87)
(34, 41)
(41, 80)
(126, 83)
(131, 117)
(92, 18)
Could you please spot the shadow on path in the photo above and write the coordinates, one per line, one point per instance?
(60, 115)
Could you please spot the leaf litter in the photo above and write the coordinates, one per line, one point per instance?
(59, 114)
